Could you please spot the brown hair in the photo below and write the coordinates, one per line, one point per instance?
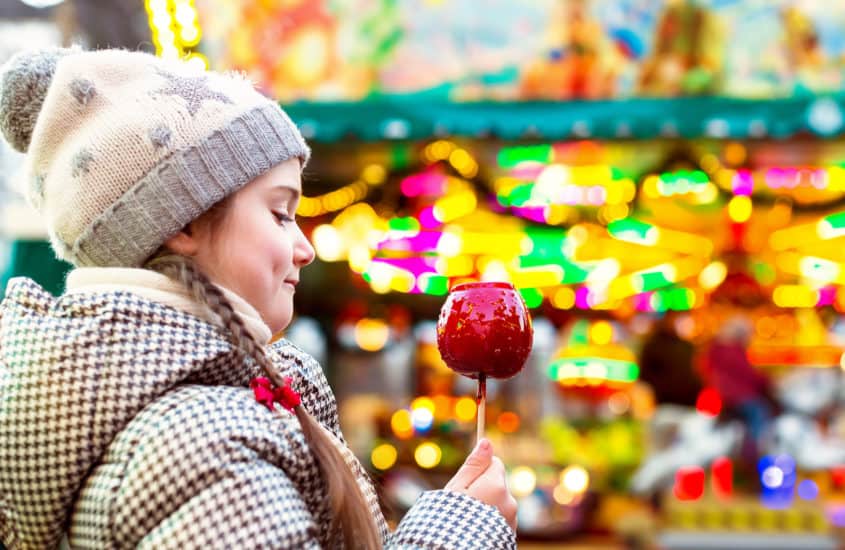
(350, 511)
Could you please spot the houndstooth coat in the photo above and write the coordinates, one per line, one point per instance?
(124, 423)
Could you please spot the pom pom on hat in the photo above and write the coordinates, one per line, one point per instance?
(24, 81)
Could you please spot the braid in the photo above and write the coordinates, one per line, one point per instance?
(207, 293)
(350, 509)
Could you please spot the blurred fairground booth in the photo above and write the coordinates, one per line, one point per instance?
(660, 179)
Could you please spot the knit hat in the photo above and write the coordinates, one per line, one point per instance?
(125, 149)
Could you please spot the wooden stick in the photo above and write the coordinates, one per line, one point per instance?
(481, 402)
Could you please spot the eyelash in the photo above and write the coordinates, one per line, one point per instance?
(283, 218)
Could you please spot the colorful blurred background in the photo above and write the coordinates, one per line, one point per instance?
(663, 181)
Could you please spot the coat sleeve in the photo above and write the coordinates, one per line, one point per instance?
(448, 520)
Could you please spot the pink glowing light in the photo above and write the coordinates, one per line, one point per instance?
(582, 295)
(642, 302)
(425, 241)
(427, 218)
(743, 183)
(427, 183)
(827, 296)
(533, 213)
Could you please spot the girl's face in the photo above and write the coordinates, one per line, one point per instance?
(257, 250)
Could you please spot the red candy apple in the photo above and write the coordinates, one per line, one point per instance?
(485, 328)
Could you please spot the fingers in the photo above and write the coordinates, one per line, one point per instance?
(475, 465)
(494, 483)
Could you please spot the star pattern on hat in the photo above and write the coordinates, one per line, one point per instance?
(193, 89)
(81, 160)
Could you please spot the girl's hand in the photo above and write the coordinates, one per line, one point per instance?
(482, 477)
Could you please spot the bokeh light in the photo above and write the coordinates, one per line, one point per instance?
(522, 481)
(384, 456)
(428, 455)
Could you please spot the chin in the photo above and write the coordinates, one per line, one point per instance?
(279, 324)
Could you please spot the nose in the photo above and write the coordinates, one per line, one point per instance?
(303, 252)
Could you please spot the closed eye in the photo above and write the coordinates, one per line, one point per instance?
(282, 217)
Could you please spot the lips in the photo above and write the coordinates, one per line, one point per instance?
(292, 283)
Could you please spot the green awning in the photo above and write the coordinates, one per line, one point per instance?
(688, 117)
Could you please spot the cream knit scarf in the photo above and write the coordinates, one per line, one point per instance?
(163, 290)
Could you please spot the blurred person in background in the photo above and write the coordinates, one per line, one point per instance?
(666, 363)
(745, 391)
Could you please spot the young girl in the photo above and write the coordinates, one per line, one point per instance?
(145, 407)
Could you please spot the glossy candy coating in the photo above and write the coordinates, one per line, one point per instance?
(485, 327)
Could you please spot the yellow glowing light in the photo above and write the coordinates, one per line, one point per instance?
(538, 277)
(709, 194)
(495, 271)
(601, 333)
(465, 409)
(458, 266)
(616, 212)
(384, 456)
(651, 186)
(614, 194)
(604, 272)
(550, 180)
(401, 424)
(575, 479)
(198, 60)
(455, 206)
(309, 207)
(523, 480)
(449, 244)
(735, 153)
(439, 150)
(428, 455)
(463, 163)
(185, 14)
(629, 190)
(596, 371)
(563, 496)
(712, 275)
(842, 361)
(374, 174)
(710, 163)
(563, 298)
(739, 209)
(371, 334)
(381, 277)
(327, 243)
(423, 403)
(501, 245)
(687, 243)
(819, 269)
(403, 281)
(359, 258)
(795, 296)
(189, 35)
(577, 235)
(307, 57)
(169, 51)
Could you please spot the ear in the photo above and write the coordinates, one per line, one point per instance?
(183, 243)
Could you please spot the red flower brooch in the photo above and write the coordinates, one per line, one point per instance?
(267, 394)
